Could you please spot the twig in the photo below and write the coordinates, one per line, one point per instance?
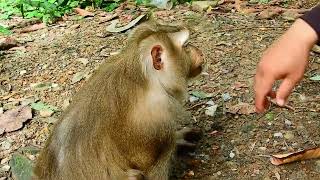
(252, 27)
(196, 105)
(285, 106)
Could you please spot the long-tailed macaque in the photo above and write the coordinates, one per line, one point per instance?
(121, 124)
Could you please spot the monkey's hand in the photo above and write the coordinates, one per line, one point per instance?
(134, 174)
(186, 139)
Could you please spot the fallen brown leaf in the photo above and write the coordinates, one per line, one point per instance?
(296, 156)
(269, 13)
(7, 43)
(34, 27)
(83, 12)
(13, 119)
(241, 108)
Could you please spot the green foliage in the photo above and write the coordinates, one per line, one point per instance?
(4, 30)
(48, 10)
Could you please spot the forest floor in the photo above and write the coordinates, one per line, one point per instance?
(236, 144)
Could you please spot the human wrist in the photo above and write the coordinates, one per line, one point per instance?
(303, 33)
(312, 18)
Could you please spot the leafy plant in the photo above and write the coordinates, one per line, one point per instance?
(48, 10)
(4, 30)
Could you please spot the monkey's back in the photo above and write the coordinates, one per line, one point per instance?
(97, 137)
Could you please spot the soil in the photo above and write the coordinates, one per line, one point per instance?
(234, 146)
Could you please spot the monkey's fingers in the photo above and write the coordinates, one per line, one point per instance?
(184, 146)
(134, 174)
(297, 156)
(189, 134)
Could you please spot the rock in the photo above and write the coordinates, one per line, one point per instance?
(278, 135)
(262, 148)
(203, 5)
(5, 145)
(7, 43)
(3, 178)
(289, 135)
(84, 61)
(5, 168)
(46, 112)
(210, 103)
(1, 110)
(226, 97)
(5, 160)
(232, 155)
(23, 72)
(211, 110)
(287, 122)
(193, 99)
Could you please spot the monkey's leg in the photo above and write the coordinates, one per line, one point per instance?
(186, 139)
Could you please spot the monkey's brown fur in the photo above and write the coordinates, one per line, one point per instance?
(124, 118)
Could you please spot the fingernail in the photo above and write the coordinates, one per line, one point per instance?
(280, 102)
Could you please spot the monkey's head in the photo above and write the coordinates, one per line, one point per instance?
(165, 54)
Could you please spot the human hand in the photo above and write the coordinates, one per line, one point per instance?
(285, 60)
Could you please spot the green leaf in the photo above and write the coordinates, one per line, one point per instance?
(315, 78)
(21, 167)
(4, 30)
(270, 116)
(112, 6)
(201, 94)
(41, 106)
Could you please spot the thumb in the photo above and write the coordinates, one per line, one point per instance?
(284, 91)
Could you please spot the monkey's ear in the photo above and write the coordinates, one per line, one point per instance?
(156, 52)
(180, 37)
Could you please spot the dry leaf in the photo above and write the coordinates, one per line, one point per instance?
(107, 18)
(83, 12)
(238, 85)
(269, 13)
(7, 43)
(13, 119)
(241, 108)
(112, 27)
(296, 156)
(34, 27)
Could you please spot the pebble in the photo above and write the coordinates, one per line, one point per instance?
(287, 122)
(219, 173)
(5, 145)
(232, 155)
(5, 168)
(5, 160)
(226, 97)
(3, 178)
(278, 135)
(23, 72)
(193, 99)
(211, 110)
(46, 112)
(262, 148)
(1, 110)
(210, 103)
(289, 135)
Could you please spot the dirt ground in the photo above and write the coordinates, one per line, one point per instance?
(234, 146)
